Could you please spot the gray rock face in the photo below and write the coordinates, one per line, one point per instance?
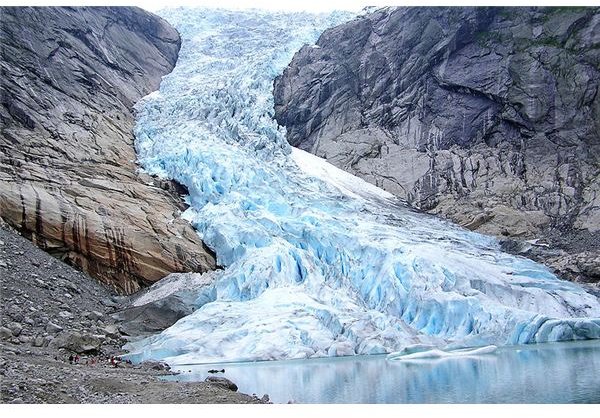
(487, 116)
(68, 179)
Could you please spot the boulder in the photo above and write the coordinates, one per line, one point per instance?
(223, 382)
(65, 315)
(152, 317)
(52, 328)
(24, 339)
(47, 340)
(154, 365)
(111, 331)
(77, 342)
(15, 328)
(5, 333)
(94, 315)
(38, 341)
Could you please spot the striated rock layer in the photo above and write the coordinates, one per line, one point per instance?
(68, 179)
(487, 116)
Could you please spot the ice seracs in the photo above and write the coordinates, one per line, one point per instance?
(317, 262)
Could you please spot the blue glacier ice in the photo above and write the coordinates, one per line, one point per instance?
(316, 261)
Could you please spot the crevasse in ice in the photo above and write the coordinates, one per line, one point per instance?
(317, 262)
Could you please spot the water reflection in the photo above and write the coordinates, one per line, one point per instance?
(543, 373)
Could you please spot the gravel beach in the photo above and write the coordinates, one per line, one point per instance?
(50, 312)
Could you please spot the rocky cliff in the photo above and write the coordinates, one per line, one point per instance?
(487, 116)
(68, 178)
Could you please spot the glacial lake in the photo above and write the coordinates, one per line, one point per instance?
(541, 373)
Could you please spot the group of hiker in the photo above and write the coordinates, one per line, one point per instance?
(91, 361)
(75, 359)
(116, 360)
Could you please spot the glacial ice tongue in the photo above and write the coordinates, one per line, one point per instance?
(317, 262)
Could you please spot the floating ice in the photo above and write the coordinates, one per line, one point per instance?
(437, 354)
(318, 262)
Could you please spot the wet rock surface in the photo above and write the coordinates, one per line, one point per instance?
(68, 178)
(486, 116)
(37, 338)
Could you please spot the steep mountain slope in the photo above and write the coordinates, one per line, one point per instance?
(68, 181)
(487, 116)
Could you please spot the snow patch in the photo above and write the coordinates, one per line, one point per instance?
(345, 182)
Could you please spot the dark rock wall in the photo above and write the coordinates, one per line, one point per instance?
(68, 179)
(488, 116)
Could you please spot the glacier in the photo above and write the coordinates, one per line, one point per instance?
(316, 262)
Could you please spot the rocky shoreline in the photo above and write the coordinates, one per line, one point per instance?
(51, 311)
